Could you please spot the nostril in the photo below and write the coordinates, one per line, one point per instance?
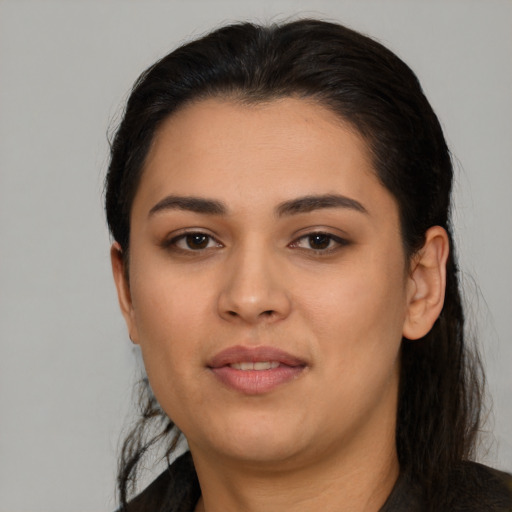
(267, 313)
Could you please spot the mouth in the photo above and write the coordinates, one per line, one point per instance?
(255, 370)
(259, 365)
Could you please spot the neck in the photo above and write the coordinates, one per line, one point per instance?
(340, 482)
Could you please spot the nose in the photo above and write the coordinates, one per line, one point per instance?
(254, 290)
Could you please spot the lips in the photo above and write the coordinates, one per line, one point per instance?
(255, 370)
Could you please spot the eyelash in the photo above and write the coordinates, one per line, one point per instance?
(172, 244)
(334, 242)
(331, 239)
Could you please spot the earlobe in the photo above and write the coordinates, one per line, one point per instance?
(123, 289)
(426, 284)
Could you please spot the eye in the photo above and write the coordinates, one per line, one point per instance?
(194, 241)
(319, 242)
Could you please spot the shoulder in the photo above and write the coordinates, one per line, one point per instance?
(476, 487)
(471, 487)
(175, 490)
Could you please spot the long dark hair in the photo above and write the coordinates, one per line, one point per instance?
(369, 87)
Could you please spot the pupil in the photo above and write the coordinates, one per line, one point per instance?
(319, 241)
(197, 241)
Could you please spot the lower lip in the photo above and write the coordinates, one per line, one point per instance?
(256, 382)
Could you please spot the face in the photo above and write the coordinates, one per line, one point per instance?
(268, 287)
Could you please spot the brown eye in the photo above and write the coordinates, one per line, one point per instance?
(319, 241)
(197, 241)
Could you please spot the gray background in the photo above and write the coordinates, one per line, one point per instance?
(66, 364)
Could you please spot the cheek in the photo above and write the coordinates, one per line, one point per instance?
(357, 324)
(358, 312)
(171, 314)
(168, 303)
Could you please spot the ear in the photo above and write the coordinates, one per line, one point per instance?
(426, 284)
(123, 290)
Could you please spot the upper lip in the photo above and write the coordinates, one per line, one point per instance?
(242, 354)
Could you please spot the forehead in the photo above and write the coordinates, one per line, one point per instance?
(293, 123)
(284, 148)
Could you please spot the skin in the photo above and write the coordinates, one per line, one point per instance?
(323, 440)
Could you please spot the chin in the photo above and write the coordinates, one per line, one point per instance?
(258, 442)
(262, 452)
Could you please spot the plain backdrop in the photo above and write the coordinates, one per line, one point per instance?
(66, 364)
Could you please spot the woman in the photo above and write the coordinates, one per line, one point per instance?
(279, 199)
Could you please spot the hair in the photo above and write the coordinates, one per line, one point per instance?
(374, 91)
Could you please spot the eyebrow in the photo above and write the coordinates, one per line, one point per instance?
(310, 203)
(292, 207)
(191, 204)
